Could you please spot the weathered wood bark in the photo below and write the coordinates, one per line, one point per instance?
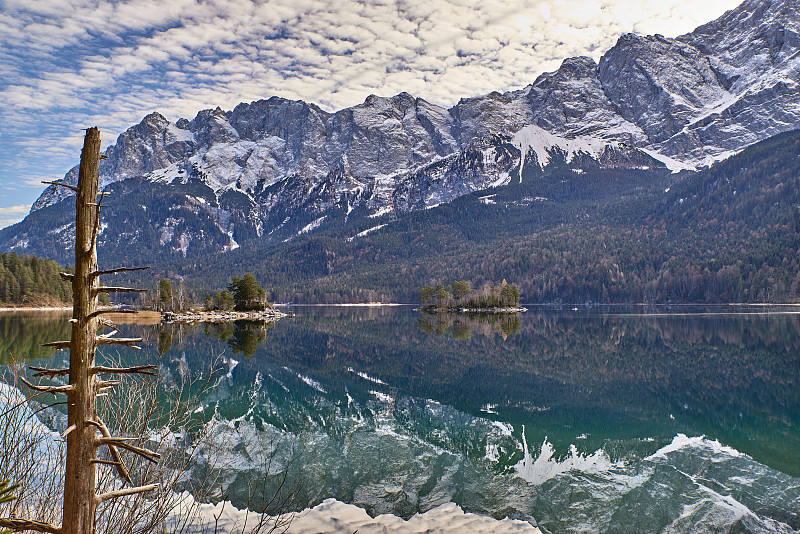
(80, 499)
(79, 483)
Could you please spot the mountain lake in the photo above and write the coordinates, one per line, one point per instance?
(603, 419)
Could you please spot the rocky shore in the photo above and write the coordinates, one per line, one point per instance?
(439, 309)
(221, 316)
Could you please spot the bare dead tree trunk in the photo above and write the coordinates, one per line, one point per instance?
(79, 482)
(80, 499)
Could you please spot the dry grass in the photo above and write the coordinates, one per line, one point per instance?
(142, 317)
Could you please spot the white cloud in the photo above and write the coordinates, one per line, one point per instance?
(13, 214)
(12, 211)
(68, 64)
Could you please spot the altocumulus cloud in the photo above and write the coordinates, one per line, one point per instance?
(67, 64)
(13, 214)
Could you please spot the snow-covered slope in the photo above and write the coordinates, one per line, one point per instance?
(651, 101)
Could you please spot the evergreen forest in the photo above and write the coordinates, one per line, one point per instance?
(30, 281)
(729, 233)
(461, 295)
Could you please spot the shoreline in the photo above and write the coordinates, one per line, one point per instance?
(221, 316)
(12, 309)
(435, 309)
(790, 307)
(346, 305)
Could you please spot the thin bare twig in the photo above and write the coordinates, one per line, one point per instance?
(48, 389)
(61, 184)
(28, 524)
(123, 492)
(120, 442)
(112, 289)
(121, 469)
(57, 344)
(139, 369)
(95, 274)
(51, 373)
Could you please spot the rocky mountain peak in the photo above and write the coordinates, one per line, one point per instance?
(571, 102)
(657, 83)
(752, 40)
(401, 101)
(572, 68)
(154, 122)
(684, 102)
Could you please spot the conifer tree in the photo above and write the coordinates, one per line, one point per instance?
(247, 293)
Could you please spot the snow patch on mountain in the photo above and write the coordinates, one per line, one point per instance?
(534, 139)
(671, 164)
(365, 232)
(167, 174)
(381, 211)
(312, 225)
(179, 134)
(503, 178)
(232, 245)
(542, 143)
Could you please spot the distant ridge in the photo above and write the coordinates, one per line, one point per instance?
(199, 193)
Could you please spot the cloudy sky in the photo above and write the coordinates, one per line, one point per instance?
(69, 64)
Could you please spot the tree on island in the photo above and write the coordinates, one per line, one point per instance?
(509, 293)
(461, 295)
(223, 301)
(248, 294)
(441, 295)
(243, 294)
(165, 295)
(426, 294)
(461, 288)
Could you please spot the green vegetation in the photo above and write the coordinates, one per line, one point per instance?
(248, 336)
(248, 294)
(460, 295)
(221, 301)
(243, 294)
(22, 340)
(7, 495)
(730, 233)
(243, 337)
(31, 281)
(165, 294)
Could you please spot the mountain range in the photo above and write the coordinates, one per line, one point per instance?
(277, 172)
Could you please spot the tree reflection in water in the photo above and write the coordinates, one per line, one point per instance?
(241, 336)
(248, 336)
(463, 325)
(22, 335)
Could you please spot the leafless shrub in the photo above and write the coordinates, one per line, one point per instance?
(31, 454)
(156, 414)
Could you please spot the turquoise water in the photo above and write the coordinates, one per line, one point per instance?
(593, 420)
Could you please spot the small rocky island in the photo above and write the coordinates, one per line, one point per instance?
(220, 316)
(460, 297)
(244, 300)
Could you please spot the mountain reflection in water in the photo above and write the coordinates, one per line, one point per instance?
(564, 416)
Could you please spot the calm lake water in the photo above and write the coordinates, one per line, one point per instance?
(596, 420)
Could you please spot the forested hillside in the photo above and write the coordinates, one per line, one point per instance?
(727, 234)
(31, 281)
(730, 233)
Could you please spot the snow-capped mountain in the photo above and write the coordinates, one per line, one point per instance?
(278, 167)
